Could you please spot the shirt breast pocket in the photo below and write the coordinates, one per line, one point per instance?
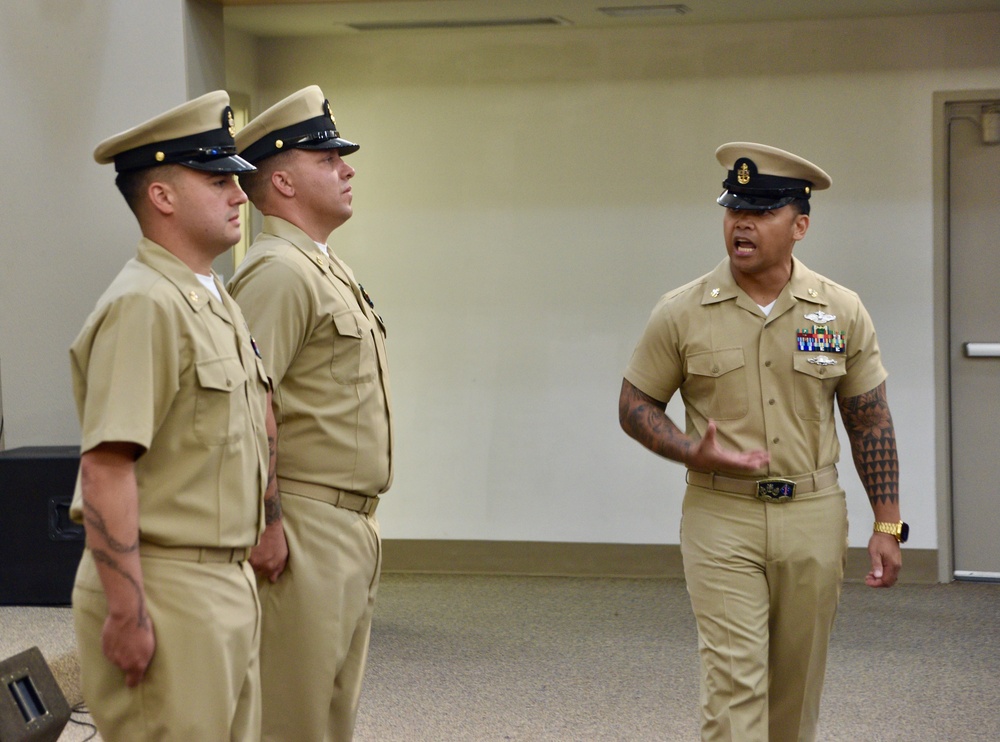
(353, 359)
(220, 408)
(717, 383)
(815, 385)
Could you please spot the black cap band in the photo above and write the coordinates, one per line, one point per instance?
(316, 133)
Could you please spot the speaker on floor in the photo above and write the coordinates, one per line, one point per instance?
(40, 547)
(32, 707)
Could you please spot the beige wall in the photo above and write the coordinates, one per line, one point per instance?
(72, 74)
(523, 198)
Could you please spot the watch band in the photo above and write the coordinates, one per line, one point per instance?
(900, 530)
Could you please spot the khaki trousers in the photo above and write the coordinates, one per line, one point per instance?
(203, 682)
(317, 621)
(764, 581)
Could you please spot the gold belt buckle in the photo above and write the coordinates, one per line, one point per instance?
(775, 490)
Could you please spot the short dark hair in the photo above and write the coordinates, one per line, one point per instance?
(801, 205)
(132, 184)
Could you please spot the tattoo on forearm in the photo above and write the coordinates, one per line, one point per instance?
(95, 523)
(272, 468)
(272, 504)
(142, 618)
(93, 519)
(873, 443)
(644, 418)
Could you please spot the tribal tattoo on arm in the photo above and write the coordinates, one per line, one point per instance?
(873, 443)
(645, 419)
(272, 504)
(95, 521)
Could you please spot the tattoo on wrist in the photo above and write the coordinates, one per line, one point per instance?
(272, 510)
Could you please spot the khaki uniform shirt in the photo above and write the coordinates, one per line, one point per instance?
(767, 381)
(324, 349)
(162, 364)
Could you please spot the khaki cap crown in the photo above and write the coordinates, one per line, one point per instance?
(761, 177)
(198, 134)
(303, 120)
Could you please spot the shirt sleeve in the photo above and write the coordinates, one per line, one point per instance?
(275, 301)
(864, 359)
(655, 367)
(131, 367)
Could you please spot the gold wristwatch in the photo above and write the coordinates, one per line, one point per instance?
(900, 530)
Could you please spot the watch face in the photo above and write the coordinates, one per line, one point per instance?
(904, 532)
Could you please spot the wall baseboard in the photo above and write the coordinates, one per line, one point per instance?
(544, 558)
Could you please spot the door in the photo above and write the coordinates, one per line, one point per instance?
(974, 290)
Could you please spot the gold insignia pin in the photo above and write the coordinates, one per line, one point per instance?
(278, 144)
(715, 293)
(812, 293)
(743, 174)
(193, 296)
(160, 156)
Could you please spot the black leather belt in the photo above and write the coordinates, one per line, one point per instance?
(770, 489)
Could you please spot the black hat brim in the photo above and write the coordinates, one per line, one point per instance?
(743, 202)
(342, 145)
(228, 164)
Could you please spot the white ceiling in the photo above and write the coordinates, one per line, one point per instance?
(284, 18)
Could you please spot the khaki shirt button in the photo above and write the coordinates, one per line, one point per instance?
(770, 401)
(775, 440)
(715, 369)
(767, 364)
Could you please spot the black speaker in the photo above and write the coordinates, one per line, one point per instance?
(32, 707)
(40, 547)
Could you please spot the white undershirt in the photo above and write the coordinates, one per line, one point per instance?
(324, 248)
(209, 283)
(767, 310)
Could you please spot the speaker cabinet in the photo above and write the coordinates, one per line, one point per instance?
(40, 547)
(32, 707)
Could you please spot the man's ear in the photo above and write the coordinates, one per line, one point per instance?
(282, 182)
(800, 227)
(162, 197)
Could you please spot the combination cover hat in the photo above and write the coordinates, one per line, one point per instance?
(197, 134)
(761, 178)
(303, 120)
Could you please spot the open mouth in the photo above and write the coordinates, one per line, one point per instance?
(742, 246)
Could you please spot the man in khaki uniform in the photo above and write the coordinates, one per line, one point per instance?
(324, 349)
(759, 348)
(175, 416)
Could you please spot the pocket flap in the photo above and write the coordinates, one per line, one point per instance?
(715, 363)
(224, 374)
(348, 324)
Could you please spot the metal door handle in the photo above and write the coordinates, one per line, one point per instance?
(982, 350)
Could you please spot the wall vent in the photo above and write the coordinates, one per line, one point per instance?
(638, 11)
(458, 23)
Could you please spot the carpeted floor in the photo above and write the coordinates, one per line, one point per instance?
(476, 658)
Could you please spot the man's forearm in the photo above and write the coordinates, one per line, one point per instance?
(272, 498)
(645, 419)
(873, 446)
(111, 523)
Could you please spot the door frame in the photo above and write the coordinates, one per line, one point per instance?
(942, 324)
